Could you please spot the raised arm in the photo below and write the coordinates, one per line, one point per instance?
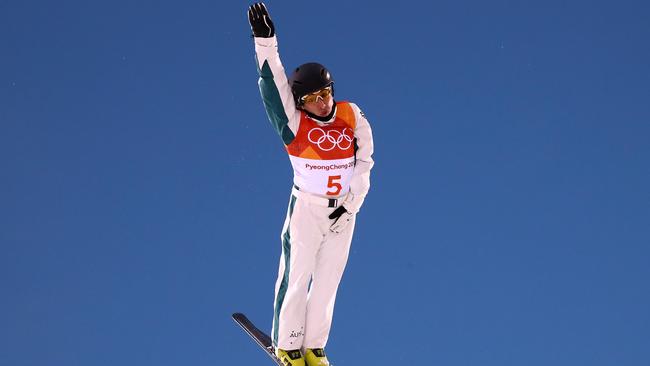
(274, 87)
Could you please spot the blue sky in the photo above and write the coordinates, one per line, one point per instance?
(143, 191)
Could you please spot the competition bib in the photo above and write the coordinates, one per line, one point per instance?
(322, 156)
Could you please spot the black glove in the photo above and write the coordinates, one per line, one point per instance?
(341, 218)
(260, 21)
(337, 213)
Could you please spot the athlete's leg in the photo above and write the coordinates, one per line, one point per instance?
(330, 264)
(300, 240)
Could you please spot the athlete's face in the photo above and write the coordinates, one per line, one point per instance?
(319, 103)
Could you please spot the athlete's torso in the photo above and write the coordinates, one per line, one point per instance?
(322, 154)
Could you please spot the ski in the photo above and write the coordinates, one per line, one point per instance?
(261, 338)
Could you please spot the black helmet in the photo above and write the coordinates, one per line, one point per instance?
(308, 78)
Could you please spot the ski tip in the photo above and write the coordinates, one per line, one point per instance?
(237, 316)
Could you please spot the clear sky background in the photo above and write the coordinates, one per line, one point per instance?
(143, 191)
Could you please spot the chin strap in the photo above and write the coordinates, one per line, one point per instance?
(325, 119)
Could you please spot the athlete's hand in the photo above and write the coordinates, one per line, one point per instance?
(260, 21)
(341, 218)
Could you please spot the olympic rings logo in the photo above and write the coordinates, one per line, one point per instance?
(327, 141)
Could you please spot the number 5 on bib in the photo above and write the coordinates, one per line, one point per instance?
(333, 183)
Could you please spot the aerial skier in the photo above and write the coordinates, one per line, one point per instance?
(330, 147)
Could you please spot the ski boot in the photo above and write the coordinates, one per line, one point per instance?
(290, 358)
(316, 357)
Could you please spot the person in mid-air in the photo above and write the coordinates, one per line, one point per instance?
(330, 147)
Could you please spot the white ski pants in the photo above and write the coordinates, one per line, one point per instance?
(311, 266)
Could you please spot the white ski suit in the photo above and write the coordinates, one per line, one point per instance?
(331, 164)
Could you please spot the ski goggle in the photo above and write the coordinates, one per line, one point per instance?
(323, 94)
